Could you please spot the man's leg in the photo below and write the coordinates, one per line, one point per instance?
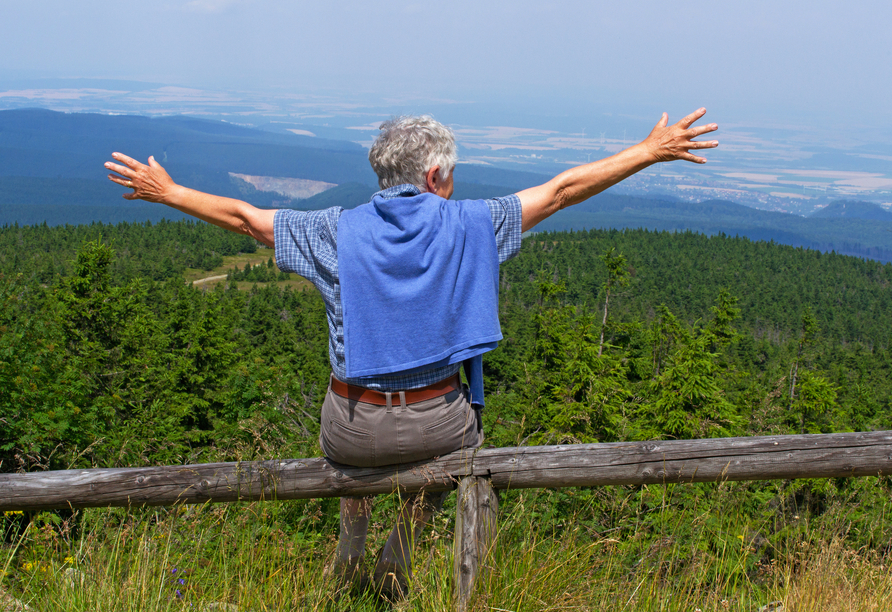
(355, 512)
(394, 566)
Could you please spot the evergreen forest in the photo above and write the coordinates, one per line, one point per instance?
(609, 335)
(109, 358)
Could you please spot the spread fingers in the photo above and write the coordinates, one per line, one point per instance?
(702, 129)
(126, 160)
(125, 182)
(690, 119)
(122, 170)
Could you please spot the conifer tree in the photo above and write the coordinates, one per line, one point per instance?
(808, 330)
(617, 276)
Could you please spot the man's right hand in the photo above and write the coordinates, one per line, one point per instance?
(149, 182)
(152, 183)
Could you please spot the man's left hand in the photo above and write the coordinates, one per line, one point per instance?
(674, 142)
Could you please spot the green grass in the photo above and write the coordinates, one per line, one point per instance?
(261, 256)
(274, 556)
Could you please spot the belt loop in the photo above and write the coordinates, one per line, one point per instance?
(389, 400)
(402, 400)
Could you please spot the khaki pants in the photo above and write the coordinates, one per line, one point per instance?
(367, 435)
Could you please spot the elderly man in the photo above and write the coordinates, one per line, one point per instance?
(410, 284)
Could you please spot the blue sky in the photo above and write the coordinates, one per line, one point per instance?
(817, 62)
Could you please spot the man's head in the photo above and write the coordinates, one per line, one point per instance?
(408, 148)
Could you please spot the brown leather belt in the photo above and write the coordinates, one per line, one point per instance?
(379, 398)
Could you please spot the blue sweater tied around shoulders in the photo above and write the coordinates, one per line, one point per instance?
(419, 285)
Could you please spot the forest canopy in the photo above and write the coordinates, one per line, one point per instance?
(109, 358)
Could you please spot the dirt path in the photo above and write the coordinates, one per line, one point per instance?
(201, 281)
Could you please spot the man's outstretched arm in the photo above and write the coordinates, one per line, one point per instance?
(152, 183)
(665, 143)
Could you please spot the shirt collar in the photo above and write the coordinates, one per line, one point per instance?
(398, 191)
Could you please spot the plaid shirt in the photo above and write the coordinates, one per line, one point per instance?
(307, 244)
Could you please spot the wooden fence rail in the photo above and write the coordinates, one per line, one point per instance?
(476, 473)
(619, 463)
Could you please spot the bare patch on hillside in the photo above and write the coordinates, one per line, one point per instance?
(294, 188)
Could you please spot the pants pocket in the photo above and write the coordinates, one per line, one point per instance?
(348, 444)
(449, 433)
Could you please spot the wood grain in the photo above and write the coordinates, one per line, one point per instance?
(475, 532)
(620, 463)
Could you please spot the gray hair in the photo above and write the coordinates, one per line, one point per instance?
(408, 147)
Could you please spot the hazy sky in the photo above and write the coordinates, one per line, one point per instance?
(803, 59)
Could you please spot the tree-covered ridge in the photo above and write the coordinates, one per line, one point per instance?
(685, 271)
(108, 357)
(853, 209)
(705, 336)
(125, 373)
(155, 251)
(858, 235)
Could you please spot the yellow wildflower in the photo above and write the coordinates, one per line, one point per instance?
(69, 560)
(28, 566)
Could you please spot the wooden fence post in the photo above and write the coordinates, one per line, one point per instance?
(475, 532)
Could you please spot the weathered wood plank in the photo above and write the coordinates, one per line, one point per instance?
(487, 522)
(708, 460)
(475, 534)
(222, 482)
(756, 458)
(465, 557)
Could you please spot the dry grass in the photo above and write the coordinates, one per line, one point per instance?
(274, 557)
(833, 578)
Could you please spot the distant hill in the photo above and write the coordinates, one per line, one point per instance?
(478, 191)
(846, 235)
(51, 162)
(51, 170)
(350, 195)
(850, 209)
(85, 137)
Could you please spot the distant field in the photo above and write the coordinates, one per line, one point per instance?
(261, 256)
